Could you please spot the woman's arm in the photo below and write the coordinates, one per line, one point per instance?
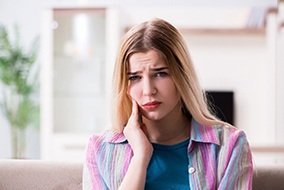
(92, 178)
(135, 133)
(239, 171)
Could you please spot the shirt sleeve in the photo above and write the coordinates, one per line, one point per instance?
(239, 168)
(92, 179)
(86, 178)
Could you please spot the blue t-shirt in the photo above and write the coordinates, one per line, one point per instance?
(168, 167)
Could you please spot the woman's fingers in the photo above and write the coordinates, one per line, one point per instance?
(136, 134)
(135, 116)
(135, 110)
(134, 107)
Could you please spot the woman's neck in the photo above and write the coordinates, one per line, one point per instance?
(170, 130)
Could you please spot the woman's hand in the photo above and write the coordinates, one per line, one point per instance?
(136, 134)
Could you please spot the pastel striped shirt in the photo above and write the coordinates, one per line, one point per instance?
(219, 158)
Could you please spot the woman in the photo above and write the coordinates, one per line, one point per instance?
(164, 136)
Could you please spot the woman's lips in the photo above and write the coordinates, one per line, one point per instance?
(151, 105)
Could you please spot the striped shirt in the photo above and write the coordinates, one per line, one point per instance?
(219, 157)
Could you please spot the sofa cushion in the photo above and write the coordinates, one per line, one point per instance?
(38, 174)
(55, 175)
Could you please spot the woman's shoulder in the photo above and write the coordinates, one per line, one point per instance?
(103, 145)
(228, 129)
(229, 134)
(109, 136)
(219, 134)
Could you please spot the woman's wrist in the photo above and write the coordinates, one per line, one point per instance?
(142, 159)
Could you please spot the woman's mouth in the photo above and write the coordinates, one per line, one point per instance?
(151, 105)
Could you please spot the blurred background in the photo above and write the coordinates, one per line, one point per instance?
(236, 46)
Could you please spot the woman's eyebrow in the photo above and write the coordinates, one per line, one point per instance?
(160, 68)
(153, 69)
(133, 73)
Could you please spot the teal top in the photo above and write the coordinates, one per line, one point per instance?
(167, 169)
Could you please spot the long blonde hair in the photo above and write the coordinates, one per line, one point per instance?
(159, 35)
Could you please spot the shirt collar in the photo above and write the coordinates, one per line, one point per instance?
(199, 133)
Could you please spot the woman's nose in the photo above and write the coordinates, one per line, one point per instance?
(149, 87)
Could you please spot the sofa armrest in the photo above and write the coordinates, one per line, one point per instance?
(268, 178)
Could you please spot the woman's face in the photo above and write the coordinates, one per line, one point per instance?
(152, 86)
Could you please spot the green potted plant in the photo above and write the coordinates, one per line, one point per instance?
(19, 85)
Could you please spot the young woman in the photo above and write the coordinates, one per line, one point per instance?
(164, 135)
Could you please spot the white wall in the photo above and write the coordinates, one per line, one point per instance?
(28, 14)
(240, 63)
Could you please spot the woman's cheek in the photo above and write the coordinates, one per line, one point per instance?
(133, 92)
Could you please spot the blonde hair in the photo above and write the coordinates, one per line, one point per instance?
(161, 36)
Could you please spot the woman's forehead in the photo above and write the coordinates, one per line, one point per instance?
(151, 57)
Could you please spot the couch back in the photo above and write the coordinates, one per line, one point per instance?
(51, 175)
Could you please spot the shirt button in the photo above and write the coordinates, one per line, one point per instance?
(191, 170)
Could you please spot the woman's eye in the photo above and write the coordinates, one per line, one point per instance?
(134, 78)
(161, 74)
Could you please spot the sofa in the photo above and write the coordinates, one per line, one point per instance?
(40, 175)
(57, 175)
